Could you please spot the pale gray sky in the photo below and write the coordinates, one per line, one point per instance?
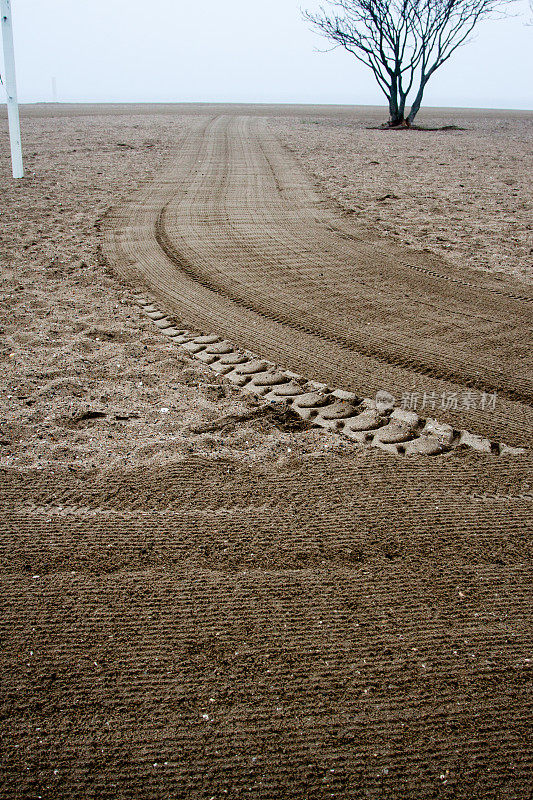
(237, 50)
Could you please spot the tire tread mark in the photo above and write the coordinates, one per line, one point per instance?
(347, 235)
(170, 250)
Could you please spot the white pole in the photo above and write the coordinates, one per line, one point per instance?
(11, 90)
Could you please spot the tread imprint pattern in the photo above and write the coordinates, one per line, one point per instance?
(394, 430)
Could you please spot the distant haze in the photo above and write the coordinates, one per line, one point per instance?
(237, 51)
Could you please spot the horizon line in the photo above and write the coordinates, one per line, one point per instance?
(254, 103)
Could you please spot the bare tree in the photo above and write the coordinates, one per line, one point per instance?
(402, 41)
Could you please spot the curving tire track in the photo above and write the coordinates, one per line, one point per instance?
(235, 239)
(338, 625)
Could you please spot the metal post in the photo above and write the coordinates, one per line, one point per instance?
(11, 90)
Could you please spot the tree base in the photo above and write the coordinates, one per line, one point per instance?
(394, 124)
(388, 127)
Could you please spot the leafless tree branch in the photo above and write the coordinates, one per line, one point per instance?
(403, 42)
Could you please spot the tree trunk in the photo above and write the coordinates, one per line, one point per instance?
(395, 112)
(397, 115)
(396, 104)
(417, 102)
(395, 118)
(414, 110)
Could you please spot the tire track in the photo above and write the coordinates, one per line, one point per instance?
(286, 246)
(341, 625)
(236, 240)
(376, 422)
(343, 225)
(491, 381)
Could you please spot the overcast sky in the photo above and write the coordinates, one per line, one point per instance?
(237, 50)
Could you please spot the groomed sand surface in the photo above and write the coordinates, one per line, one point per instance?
(466, 194)
(70, 345)
(252, 610)
(62, 361)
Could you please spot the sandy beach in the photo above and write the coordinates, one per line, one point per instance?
(203, 598)
(72, 344)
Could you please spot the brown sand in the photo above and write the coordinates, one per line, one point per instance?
(247, 612)
(465, 194)
(235, 240)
